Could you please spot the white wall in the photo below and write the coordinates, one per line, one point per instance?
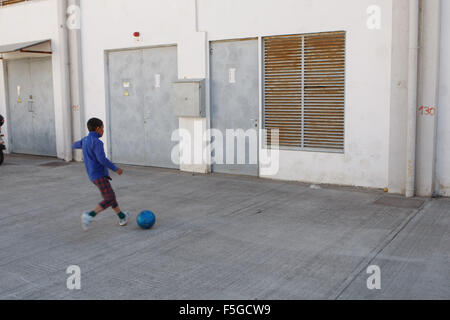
(443, 110)
(108, 25)
(365, 161)
(34, 21)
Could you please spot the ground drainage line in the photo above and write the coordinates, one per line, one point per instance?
(374, 253)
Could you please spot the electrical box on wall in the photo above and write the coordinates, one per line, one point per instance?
(189, 98)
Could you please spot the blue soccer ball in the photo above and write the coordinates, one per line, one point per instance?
(146, 219)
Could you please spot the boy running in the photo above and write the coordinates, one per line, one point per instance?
(97, 169)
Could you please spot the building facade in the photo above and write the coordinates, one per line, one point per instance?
(358, 90)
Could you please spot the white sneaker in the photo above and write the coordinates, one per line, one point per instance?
(124, 221)
(85, 220)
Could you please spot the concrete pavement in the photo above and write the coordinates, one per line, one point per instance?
(216, 237)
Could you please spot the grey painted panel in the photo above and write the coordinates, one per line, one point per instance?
(32, 118)
(43, 115)
(159, 74)
(189, 98)
(234, 105)
(126, 112)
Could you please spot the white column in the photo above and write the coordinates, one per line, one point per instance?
(60, 63)
(75, 72)
(428, 97)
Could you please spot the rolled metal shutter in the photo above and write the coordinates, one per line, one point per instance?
(304, 87)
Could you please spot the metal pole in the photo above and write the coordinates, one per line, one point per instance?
(412, 97)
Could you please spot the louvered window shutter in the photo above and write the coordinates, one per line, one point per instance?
(7, 2)
(283, 88)
(304, 80)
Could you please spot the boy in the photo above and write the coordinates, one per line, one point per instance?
(97, 168)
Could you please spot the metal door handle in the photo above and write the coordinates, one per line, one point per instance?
(30, 104)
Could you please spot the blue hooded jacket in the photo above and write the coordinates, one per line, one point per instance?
(94, 156)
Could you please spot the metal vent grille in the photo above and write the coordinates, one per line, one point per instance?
(304, 79)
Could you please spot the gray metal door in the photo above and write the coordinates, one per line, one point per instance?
(126, 107)
(235, 99)
(159, 73)
(31, 106)
(142, 119)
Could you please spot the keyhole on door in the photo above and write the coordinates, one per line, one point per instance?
(30, 104)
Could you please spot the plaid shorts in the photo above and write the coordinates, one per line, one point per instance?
(109, 197)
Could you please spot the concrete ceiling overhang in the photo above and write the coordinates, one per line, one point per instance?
(26, 49)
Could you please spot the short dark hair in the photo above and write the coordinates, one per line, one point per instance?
(94, 123)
